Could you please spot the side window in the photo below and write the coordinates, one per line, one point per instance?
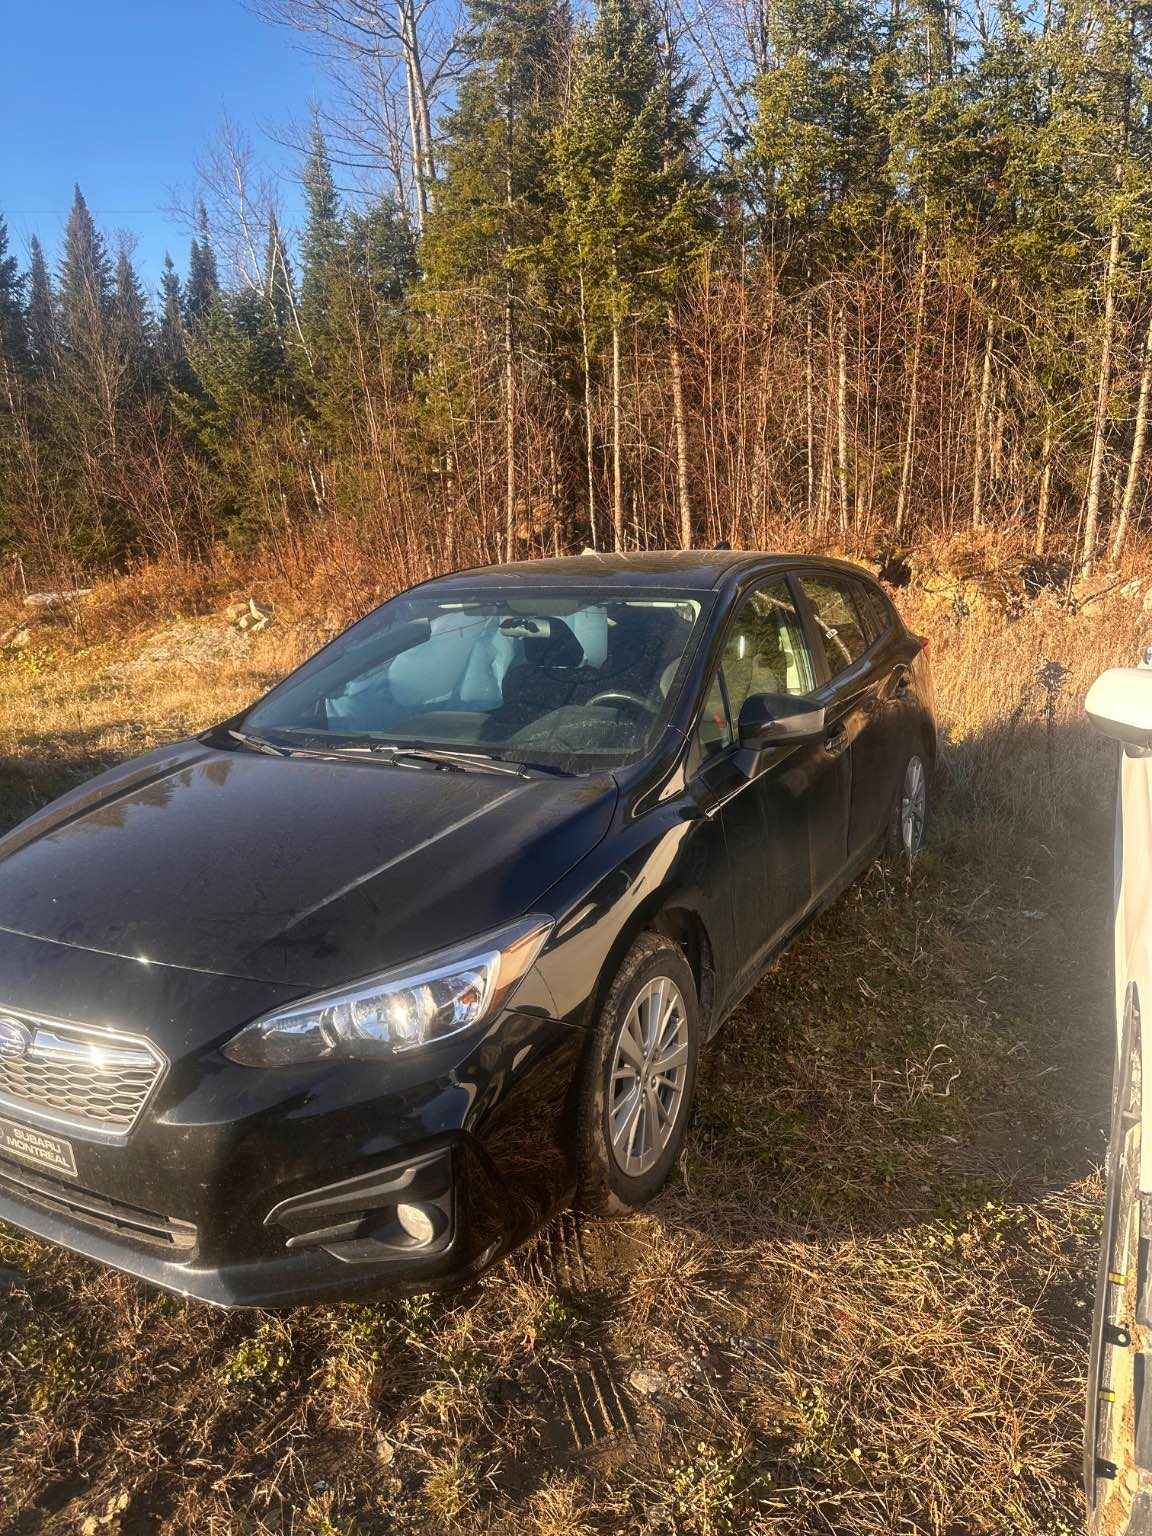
(836, 620)
(764, 652)
(872, 608)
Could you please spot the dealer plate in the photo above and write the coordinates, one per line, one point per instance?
(33, 1146)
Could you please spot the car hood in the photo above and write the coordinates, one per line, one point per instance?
(291, 870)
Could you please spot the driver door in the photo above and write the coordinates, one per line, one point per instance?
(766, 820)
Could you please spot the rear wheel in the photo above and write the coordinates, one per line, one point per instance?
(639, 1078)
(910, 812)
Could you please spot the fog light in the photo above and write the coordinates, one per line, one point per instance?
(417, 1222)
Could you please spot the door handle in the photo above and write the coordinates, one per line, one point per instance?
(835, 741)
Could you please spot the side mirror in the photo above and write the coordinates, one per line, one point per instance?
(778, 720)
(1119, 704)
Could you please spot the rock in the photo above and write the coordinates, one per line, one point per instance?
(55, 599)
(250, 616)
(19, 638)
(649, 1382)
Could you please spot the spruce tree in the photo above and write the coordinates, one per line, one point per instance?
(279, 286)
(321, 255)
(130, 321)
(41, 309)
(203, 279)
(13, 335)
(495, 201)
(635, 208)
(85, 291)
(171, 353)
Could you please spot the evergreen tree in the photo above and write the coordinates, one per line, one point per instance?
(634, 205)
(41, 310)
(279, 287)
(381, 254)
(130, 321)
(13, 335)
(818, 158)
(85, 293)
(321, 256)
(203, 279)
(171, 352)
(495, 200)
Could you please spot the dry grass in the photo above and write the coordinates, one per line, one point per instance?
(866, 1293)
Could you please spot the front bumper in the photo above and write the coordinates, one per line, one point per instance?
(267, 1188)
(477, 1234)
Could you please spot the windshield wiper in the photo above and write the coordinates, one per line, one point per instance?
(461, 762)
(258, 744)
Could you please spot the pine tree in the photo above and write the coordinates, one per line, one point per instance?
(321, 256)
(41, 310)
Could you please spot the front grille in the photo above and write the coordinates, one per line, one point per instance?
(94, 1210)
(94, 1079)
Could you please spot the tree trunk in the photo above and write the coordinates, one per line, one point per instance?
(419, 112)
(617, 459)
(509, 425)
(981, 446)
(809, 418)
(589, 436)
(1103, 393)
(842, 418)
(1139, 440)
(913, 392)
(683, 490)
(1045, 500)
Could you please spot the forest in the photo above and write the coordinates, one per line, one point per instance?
(633, 274)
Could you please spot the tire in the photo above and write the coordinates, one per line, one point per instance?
(906, 827)
(654, 978)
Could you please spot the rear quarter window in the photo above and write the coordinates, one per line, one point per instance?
(839, 621)
(874, 610)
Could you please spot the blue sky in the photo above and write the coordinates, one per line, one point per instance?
(121, 96)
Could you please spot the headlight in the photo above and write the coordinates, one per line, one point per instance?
(399, 1009)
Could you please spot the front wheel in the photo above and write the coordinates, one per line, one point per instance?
(910, 812)
(640, 1077)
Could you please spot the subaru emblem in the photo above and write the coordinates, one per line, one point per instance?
(15, 1038)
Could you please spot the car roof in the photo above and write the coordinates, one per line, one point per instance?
(684, 569)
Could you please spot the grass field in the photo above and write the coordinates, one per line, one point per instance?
(862, 1304)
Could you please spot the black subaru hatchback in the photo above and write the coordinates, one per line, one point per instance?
(357, 988)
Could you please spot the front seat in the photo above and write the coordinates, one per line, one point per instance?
(544, 679)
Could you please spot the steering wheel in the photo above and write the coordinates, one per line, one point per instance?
(619, 696)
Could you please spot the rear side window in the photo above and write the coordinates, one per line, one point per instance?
(873, 608)
(837, 621)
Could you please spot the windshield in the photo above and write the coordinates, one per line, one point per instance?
(571, 679)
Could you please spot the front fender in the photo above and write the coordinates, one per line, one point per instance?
(669, 859)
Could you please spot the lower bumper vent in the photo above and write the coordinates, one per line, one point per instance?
(94, 1210)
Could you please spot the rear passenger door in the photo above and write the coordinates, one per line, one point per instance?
(852, 629)
(769, 821)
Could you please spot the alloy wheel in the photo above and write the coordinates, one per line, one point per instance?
(913, 807)
(649, 1071)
